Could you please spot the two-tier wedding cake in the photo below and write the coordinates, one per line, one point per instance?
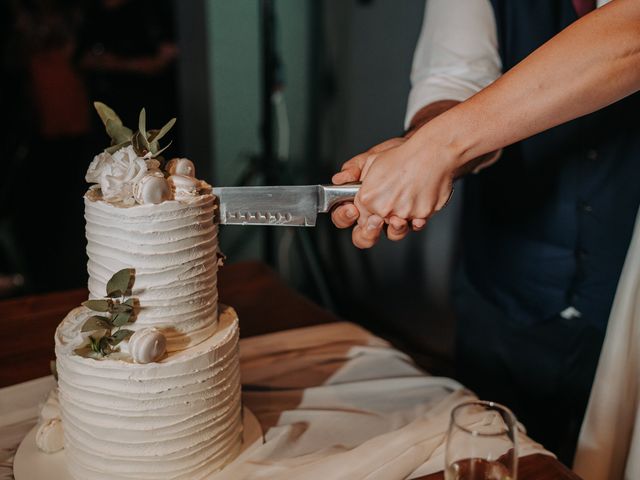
(148, 372)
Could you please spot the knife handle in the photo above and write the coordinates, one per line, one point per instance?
(332, 195)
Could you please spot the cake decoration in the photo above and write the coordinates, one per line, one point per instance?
(119, 312)
(147, 345)
(117, 174)
(129, 171)
(49, 436)
(181, 166)
(152, 189)
(183, 186)
(149, 375)
(145, 143)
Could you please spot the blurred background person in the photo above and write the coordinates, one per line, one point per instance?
(46, 142)
(58, 57)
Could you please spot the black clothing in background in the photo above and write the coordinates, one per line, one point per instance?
(130, 30)
(545, 235)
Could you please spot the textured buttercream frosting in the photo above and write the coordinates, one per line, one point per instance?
(138, 412)
(173, 248)
(178, 418)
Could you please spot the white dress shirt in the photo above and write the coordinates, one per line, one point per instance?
(457, 52)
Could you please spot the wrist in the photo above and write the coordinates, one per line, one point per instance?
(444, 140)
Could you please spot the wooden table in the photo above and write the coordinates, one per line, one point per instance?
(263, 302)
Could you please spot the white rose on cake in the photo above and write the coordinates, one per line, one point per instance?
(118, 173)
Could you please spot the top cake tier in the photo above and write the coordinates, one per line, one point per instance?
(155, 219)
(173, 247)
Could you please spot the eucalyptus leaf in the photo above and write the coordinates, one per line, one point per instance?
(105, 305)
(121, 319)
(140, 144)
(121, 282)
(130, 305)
(86, 352)
(155, 154)
(154, 146)
(96, 323)
(122, 308)
(106, 113)
(94, 344)
(142, 123)
(145, 142)
(158, 134)
(119, 336)
(99, 347)
(133, 302)
(118, 132)
(103, 346)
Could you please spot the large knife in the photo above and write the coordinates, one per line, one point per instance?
(286, 205)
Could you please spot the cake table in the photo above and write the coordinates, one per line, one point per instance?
(264, 304)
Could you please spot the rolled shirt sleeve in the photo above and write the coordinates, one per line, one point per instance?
(456, 55)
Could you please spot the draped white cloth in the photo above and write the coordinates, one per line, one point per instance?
(609, 445)
(334, 402)
(337, 402)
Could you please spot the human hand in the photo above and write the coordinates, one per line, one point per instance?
(409, 181)
(345, 215)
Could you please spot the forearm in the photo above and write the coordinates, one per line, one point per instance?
(591, 64)
(431, 111)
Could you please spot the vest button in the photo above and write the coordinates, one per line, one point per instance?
(585, 207)
(592, 154)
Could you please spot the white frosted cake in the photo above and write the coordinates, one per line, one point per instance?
(148, 371)
(173, 247)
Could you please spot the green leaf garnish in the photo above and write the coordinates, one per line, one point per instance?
(122, 308)
(121, 283)
(140, 144)
(142, 129)
(96, 323)
(106, 113)
(94, 344)
(105, 305)
(132, 302)
(103, 346)
(87, 352)
(130, 305)
(121, 319)
(161, 150)
(156, 135)
(119, 336)
(143, 141)
(118, 132)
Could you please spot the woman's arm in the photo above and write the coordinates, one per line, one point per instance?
(589, 65)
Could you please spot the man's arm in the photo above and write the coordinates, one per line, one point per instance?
(589, 65)
(456, 56)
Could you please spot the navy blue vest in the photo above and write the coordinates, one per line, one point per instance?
(548, 226)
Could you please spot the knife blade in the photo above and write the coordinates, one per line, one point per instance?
(295, 205)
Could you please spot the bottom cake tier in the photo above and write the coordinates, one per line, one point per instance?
(179, 418)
